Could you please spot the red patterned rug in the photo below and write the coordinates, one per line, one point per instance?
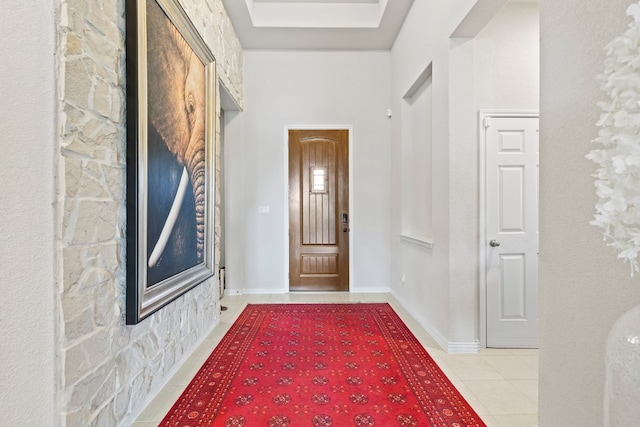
(314, 365)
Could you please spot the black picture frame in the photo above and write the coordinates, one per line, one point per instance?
(171, 85)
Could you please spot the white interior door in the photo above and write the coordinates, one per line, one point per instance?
(511, 203)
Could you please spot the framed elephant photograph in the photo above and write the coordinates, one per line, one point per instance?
(170, 156)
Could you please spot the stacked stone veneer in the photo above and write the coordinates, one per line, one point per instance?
(107, 371)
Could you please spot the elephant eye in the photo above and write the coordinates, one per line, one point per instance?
(191, 104)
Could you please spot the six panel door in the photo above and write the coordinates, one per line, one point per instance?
(512, 160)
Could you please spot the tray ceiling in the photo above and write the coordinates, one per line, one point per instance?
(317, 24)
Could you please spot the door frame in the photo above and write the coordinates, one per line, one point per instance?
(483, 115)
(352, 213)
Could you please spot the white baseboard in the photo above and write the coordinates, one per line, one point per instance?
(449, 346)
(463, 347)
(286, 291)
(264, 291)
(370, 290)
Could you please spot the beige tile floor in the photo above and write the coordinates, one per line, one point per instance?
(500, 384)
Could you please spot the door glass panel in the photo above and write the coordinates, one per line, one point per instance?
(319, 180)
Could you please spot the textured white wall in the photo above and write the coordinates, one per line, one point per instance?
(27, 181)
(507, 65)
(441, 284)
(307, 88)
(417, 168)
(429, 290)
(583, 288)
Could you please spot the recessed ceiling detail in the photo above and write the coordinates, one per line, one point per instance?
(306, 14)
(316, 1)
(317, 24)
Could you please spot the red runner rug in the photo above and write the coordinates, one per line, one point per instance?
(320, 365)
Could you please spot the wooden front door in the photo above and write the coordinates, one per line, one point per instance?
(319, 210)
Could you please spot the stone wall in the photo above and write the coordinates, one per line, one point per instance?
(107, 371)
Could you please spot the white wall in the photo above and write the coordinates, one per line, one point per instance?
(441, 286)
(417, 166)
(429, 291)
(584, 289)
(507, 53)
(306, 88)
(27, 393)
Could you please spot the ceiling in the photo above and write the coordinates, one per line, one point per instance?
(317, 24)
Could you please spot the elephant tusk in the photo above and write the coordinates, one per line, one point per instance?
(171, 219)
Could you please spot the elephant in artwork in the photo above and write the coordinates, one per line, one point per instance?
(177, 108)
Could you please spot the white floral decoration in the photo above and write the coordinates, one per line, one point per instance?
(618, 177)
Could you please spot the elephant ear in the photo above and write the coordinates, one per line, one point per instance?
(195, 152)
(176, 93)
(167, 69)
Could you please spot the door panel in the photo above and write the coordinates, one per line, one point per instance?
(512, 287)
(512, 160)
(318, 210)
(511, 202)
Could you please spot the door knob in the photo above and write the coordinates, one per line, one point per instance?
(494, 243)
(346, 229)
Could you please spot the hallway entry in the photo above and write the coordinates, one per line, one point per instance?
(318, 210)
